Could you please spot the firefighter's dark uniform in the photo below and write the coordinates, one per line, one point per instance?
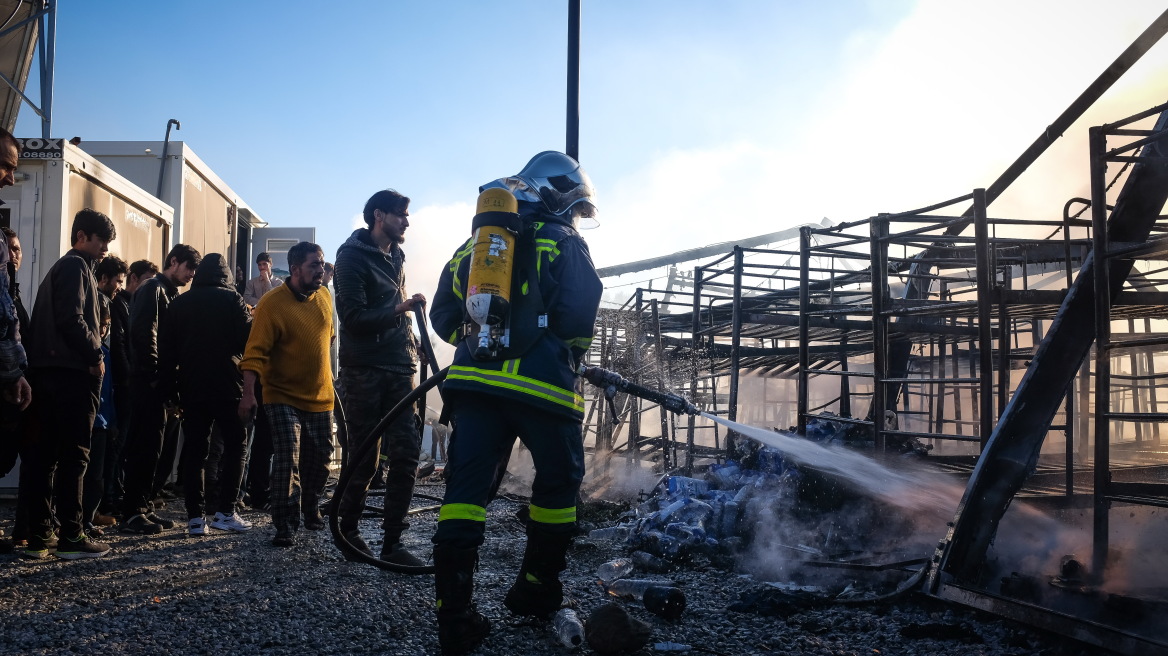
(534, 396)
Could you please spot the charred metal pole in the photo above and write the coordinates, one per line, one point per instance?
(1012, 452)
(573, 130)
(879, 247)
(735, 348)
(1099, 247)
(804, 329)
(985, 282)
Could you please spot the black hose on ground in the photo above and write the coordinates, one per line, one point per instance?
(347, 547)
(339, 538)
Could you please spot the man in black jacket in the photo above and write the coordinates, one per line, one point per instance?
(137, 273)
(65, 359)
(377, 360)
(148, 402)
(199, 348)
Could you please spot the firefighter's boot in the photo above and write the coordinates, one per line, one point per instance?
(537, 590)
(460, 627)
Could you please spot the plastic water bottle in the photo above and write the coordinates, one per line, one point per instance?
(614, 569)
(568, 628)
(635, 588)
(690, 487)
(648, 562)
(610, 533)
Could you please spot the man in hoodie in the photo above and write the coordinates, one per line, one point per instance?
(143, 447)
(377, 359)
(66, 361)
(200, 345)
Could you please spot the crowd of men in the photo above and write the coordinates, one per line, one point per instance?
(113, 359)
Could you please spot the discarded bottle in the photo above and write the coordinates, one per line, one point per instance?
(648, 562)
(690, 487)
(666, 602)
(729, 518)
(568, 627)
(634, 588)
(614, 569)
(671, 646)
(610, 533)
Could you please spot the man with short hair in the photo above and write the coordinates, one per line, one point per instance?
(288, 352)
(67, 366)
(263, 283)
(200, 345)
(378, 359)
(148, 402)
(111, 277)
(13, 386)
(136, 273)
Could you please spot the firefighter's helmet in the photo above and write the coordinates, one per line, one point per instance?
(556, 182)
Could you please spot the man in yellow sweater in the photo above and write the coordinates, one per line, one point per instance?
(288, 351)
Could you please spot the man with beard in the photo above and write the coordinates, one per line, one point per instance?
(144, 444)
(377, 360)
(288, 352)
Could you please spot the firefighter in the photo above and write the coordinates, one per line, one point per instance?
(527, 389)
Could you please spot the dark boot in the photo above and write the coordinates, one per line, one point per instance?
(460, 627)
(537, 590)
(393, 551)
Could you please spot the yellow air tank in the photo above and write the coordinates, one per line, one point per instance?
(488, 287)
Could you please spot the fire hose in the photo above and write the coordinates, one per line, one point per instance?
(364, 449)
(610, 383)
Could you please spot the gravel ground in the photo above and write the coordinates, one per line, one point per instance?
(237, 594)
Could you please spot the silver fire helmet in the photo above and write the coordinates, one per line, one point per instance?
(557, 182)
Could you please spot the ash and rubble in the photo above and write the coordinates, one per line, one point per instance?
(234, 593)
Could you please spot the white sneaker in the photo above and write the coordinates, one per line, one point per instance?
(197, 526)
(232, 522)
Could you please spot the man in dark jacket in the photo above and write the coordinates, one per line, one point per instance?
(377, 360)
(148, 405)
(137, 273)
(66, 362)
(526, 388)
(199, 348)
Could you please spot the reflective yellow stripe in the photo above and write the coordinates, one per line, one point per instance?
(530, 386)
(582, 343)
(454, 337)
(456, 262)
(511, 366)
(462, 511)
(552, 515)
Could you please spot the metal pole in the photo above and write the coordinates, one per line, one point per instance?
(695, 326)
(985, 282)
(879, 248)
(804, 328)
(735, 347)
(1102, 474)
(573, 130)
(165, 149)
(48, 47)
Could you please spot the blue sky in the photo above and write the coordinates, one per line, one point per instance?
(700, 121)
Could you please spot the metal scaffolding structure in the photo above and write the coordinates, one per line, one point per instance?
(998, 321)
